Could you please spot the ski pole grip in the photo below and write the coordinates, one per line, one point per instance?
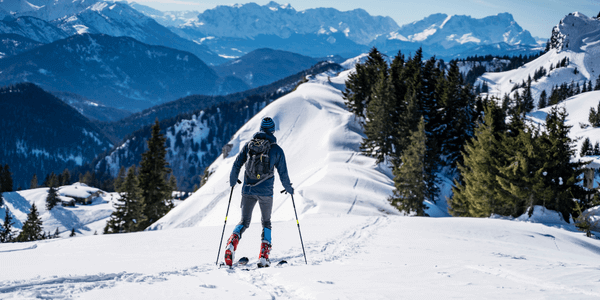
(239, 181)
(283, 191)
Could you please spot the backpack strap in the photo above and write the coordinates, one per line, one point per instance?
(261, 181)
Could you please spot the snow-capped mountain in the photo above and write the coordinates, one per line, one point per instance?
(32, 28)
(118, 19)
(167, 18)
(251, 20)
(238, 29)
(49, 10)
(576, 40)
(444, 35)
(42, 134)
(117, 71)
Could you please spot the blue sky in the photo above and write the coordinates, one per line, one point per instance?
(537, 16)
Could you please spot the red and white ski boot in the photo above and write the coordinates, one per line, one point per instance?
(230, 250)
(263, 258)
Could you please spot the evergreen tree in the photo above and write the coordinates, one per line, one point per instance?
(52, 198)
(594, 116)
(56, 234)
(32, 229)
(1, 199)
(597, 86)
(360, 84)
(119, 179)
(597, 148)
(586, 148)
(528, 104)
(521, 176)
(34, 182)
(563, 176)
(6, 184)
(409, 178)
(378, 127)
(6, 234)
(129, 208)
(173, 182)
(156, 192)
(72, 233)
(543, 100)
(479, 195)
(65, 178)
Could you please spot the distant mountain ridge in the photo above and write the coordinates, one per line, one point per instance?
(446, 36)
(58, 19)
(264, 66)
(42, 134)
(120, 72)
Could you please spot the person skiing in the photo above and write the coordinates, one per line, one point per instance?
(261, 155)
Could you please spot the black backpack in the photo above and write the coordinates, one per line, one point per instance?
(258, 165)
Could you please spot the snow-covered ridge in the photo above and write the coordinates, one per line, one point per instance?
(576, 32)
(580, 45)
(321, 142)
(249, 20)
(449, 31)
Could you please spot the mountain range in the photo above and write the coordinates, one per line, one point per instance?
(42, 134)
(120, 72)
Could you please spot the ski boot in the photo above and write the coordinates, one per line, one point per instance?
(231, 247)
(263, 258)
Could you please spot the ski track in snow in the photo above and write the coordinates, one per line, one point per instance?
(339, 247)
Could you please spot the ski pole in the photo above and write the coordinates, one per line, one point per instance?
(297, 222)
(226, 214)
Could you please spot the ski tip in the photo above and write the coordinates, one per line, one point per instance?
(243, 261)
(283, 262)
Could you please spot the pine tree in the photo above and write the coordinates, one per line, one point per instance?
(543, 100)
(6, 184)
(409, 178)
(156, 192)
(378, 127)
(478, 194)
(563, 176)
(129, 208)
(34, 182)
(360, 83)
(32, 229)
(56, 234)
(521, 176)
(52, 198)
(6, 234)
(72, 233)
(119, 179)
(65, 178)
(594, 116)
(597, 86)
(597, 148)
(586, 148)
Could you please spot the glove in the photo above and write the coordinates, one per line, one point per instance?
(290, 190)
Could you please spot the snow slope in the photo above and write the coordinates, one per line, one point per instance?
(583, 37)
(85, 219)
(349, 257)
(321, 142)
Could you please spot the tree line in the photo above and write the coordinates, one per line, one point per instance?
(145, 196)
(426, 122)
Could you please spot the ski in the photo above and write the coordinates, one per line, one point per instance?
(243, 262)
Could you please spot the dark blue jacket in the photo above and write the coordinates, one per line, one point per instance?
(276, 159)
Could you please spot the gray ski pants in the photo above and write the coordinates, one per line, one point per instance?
(247, 205)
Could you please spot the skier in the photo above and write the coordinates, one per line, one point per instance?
(261, 155)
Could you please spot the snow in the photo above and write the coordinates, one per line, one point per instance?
(349, 257)
(357, 245)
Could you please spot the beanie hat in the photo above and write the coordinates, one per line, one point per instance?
(267, 125)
